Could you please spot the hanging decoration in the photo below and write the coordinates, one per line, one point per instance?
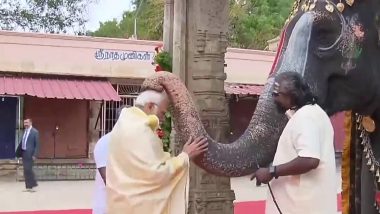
(366, 125)
(340, 6)
(350, 2)
(309, 5)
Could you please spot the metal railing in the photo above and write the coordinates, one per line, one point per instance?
(128, 94)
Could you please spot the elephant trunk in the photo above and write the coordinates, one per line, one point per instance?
(257, 145)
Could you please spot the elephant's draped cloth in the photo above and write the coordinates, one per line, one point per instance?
(141, 177)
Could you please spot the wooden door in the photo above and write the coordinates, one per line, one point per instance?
(63, 126)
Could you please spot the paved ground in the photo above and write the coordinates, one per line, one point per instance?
(58, 195)
(64, 195)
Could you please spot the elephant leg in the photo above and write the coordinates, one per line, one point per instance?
(368, 190)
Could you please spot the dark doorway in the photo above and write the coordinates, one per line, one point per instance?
(8, 110)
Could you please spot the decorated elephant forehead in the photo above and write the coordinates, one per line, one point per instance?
(330, 6)
(356, 28)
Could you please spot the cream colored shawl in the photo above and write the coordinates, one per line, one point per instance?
(141, 177)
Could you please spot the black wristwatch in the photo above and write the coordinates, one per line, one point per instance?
(272, 171)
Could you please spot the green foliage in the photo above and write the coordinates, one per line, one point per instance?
(49, 16)
(109, 28)
(151, 19)
(164, 59)
(252, 22)
(149, 16)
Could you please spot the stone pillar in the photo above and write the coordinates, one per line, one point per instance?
(168, 25)
(199, 46)
(180, 35)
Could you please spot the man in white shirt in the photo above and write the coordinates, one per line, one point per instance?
(100, 156)
(302, 176)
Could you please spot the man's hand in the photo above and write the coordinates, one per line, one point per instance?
(262, 175)
(34, 158)
(196, 147)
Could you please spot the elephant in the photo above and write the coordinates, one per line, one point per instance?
(335, 46)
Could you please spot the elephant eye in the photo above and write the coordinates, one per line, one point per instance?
(326, 36)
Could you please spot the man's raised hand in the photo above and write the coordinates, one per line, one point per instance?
(196, 147)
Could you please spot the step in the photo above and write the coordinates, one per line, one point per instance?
(59, 172)
(8, 167)
(52, 169)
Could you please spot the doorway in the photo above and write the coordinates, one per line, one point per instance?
(8, 114)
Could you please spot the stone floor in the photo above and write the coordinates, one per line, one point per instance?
(64, 195)
(50, 195)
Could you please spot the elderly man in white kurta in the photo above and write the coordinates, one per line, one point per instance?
(141, 177)
(302, 175)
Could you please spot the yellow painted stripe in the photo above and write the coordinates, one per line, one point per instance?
(346, 164)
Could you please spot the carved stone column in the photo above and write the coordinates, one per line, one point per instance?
(199, 46)
(168, 25)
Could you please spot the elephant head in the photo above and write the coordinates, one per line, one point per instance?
(334, 45)
(336, 51)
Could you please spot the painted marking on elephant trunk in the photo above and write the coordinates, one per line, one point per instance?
(279, 51)
(295, 56)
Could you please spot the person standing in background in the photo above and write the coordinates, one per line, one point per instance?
(28, 151)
